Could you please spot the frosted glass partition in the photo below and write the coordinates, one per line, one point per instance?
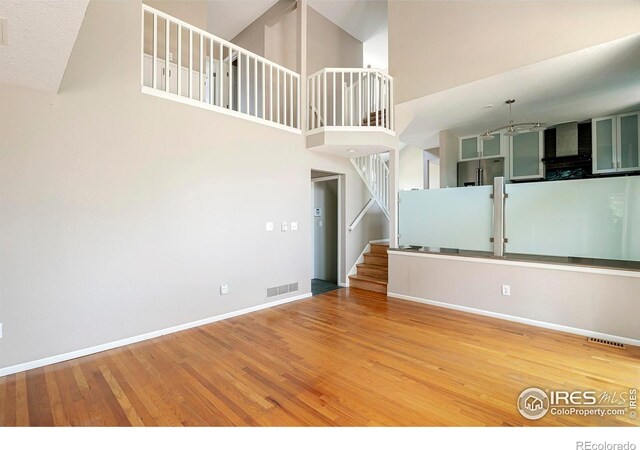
(596, 218)
(460, 218)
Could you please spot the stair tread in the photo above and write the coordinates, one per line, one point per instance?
(371, 266)
(374, 280)
(377, 255)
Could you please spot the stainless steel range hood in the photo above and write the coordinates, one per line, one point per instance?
(567, 139)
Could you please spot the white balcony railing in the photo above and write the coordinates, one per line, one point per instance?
(350, 98)
(207, 71)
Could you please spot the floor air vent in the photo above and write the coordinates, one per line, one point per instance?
(605, 342)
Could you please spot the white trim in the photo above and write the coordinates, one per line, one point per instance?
(342, 238)
(215, 108)
(350, 128)
(535, 265)
(327, 178)
(360, 260)
(535, 323)
(344, 285)
(142, 337)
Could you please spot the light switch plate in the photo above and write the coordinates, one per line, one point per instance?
(269, 226)
(294, 226)
(0, 330)
(285, 225)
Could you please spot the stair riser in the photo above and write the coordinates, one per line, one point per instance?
(376, 272)
(379, 249)
(361, 284)
(376, 260)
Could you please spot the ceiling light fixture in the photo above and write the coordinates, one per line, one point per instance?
(351, 150)
(513, 128)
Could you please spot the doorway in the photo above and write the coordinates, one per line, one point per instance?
(325, 220)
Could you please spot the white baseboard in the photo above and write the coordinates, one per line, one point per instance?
(142, 337)
(535, 323)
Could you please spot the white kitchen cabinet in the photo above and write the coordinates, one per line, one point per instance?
(469, 148)
(616, 143)
(628, 136)
(526, 153)
(472, 147)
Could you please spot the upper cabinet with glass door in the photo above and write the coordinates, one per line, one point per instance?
(616, 143)
(472, 147)
(629, 141)
(527, 151)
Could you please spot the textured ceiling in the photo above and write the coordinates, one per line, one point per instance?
(40, 38)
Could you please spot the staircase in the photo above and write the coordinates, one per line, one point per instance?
(373, 273)
(376, 118)
(375, 174)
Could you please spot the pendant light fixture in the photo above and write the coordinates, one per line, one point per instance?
(513, 129)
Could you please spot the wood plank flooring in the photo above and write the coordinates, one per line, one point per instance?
(347, 357)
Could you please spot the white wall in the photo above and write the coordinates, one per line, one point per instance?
(122, 213)
(434, 174)
(448, 159)
(601, 303)
(435, 45)
(411, 171)
(328, 45)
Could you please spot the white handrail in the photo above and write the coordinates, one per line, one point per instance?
(359, 217)
(375, 174)
(350, 97)
(219, 75)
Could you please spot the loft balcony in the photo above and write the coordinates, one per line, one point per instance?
(350, 112)
(189, 65)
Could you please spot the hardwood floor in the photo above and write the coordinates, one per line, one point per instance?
(342, 358)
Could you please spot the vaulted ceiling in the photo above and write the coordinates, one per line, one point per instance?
(593, 82)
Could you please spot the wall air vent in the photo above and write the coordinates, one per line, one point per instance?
(605, 342)
(283, 289)
(279, 290)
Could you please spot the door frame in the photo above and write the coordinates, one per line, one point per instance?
(342, 274)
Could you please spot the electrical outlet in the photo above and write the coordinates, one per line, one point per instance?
(224, 289)
(506, 289)
(294, 226)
